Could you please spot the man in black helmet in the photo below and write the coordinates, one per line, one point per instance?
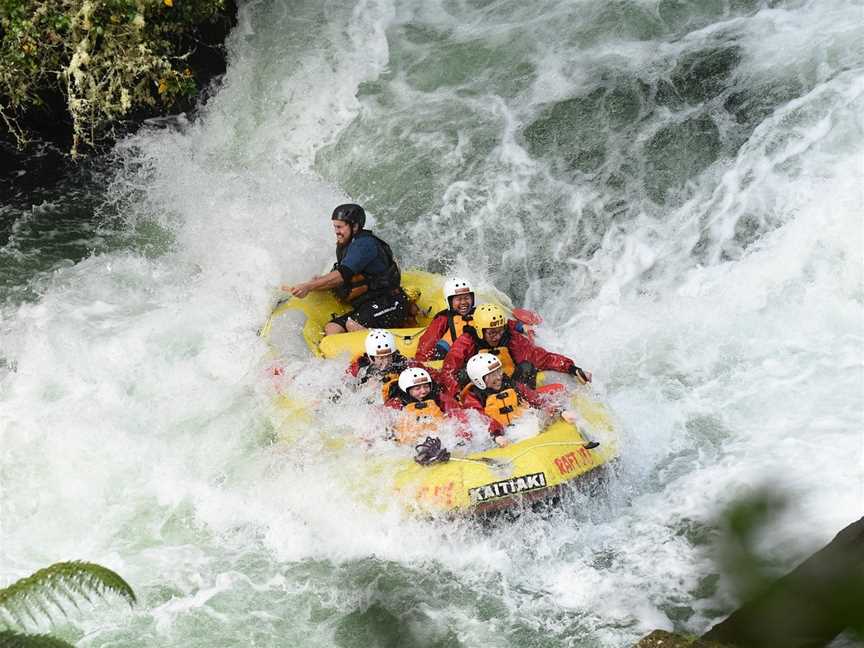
(365, 274)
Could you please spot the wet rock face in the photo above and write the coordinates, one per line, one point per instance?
(663, 639)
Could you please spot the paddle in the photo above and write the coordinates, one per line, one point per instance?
(528, 317)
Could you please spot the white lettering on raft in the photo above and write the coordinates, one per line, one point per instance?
(507, 487)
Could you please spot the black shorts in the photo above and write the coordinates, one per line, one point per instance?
(387, 311)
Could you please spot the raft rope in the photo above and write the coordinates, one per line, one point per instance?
(486, 461)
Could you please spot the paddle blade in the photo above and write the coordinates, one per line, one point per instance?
(551, 388)
(526, 316)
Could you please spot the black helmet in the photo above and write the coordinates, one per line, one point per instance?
(350, 213)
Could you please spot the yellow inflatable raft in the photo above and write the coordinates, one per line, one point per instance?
(492, 479)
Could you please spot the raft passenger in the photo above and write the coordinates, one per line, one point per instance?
(423, 404)
(381, 363)
(447, 325)
(521, 359)
(499, 398)
(365, 275)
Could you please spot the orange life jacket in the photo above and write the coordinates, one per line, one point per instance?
(455, 325)
(418, 418)
(503, 406)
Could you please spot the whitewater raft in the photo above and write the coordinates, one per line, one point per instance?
(497, 478)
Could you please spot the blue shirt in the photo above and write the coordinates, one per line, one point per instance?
(363, 256)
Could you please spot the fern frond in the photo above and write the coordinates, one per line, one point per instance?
(10, 639)
(19, 611)
(64, 580)
(53, 598)
(35, 604)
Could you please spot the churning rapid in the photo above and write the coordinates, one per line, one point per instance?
(676, 186)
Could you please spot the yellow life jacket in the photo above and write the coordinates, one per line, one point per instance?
(503, 406)
(418, 418)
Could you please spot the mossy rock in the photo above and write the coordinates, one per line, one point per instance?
(664, 639)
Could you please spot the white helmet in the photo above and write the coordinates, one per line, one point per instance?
(380, 343)
(457, 286)
(412, 377)
(481, 365)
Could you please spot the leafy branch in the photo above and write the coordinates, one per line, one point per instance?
(107, 58)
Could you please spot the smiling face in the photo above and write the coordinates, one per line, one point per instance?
(462, 303)
(343, 232)
(494, 380)
(492, 336)
(419, 392)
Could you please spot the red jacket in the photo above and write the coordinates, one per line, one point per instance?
(471, 400)
(521, 350)
(434, 332)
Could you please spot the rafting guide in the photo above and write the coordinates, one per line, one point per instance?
(365, 275)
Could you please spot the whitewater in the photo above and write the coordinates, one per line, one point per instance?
(676, 187)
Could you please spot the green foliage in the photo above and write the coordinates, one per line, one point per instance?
(744, 524)
(48, 590)
(11, 639)
(107, 57)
